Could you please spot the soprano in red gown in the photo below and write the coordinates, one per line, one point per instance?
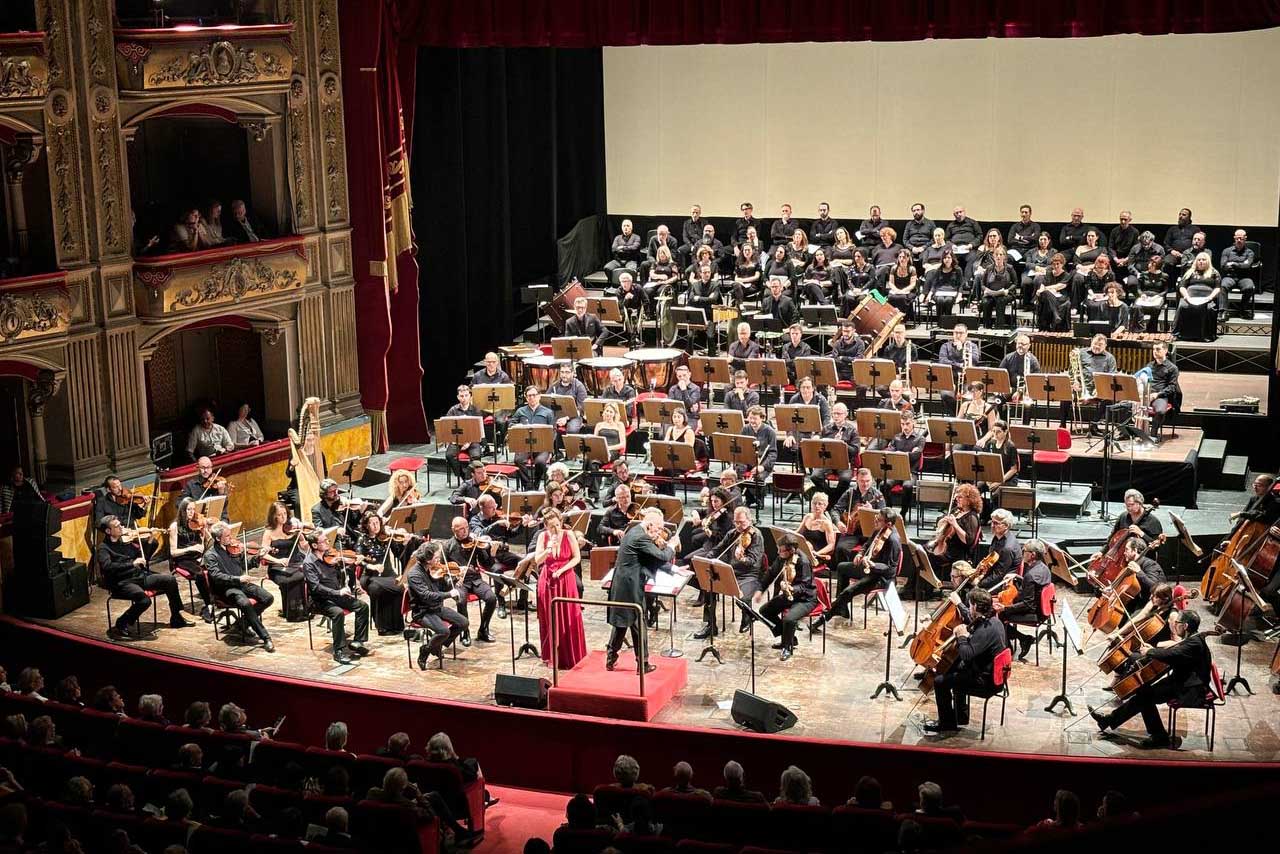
(561, 552)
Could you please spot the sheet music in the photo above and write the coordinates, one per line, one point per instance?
(664, 583)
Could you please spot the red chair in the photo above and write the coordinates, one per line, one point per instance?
(270, 757)
(865, 829)
(370, 770)
(161, 781)
(142, 742)
(270, 800)
(823, 606)
(157, 834)
(940, 832)
(630, 843)
(1213, 698)
(733, 821)
(1042, 622)
(225, 612)
(784, 486)
(801, 826)
(611, 798)
(1060, 457)
(465, 799)
(989, 830)
(580, 841)
(179, 571)
(681, 815)
(151, 595)
(391, 828)
(999, 687)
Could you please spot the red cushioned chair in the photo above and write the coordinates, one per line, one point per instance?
(213, 792)
(225, 612)
(681, 815)
(391, 828)
(464, 799)
(369, 771)
(580, 841)
(989, 830)
(179, 571)
(1042, 621)
(151, 594)
(94, 732)
(801, 826)
(157, 834)
(823, 606)
(270, 800)
(142, 742)
(161, 781)
(940, 832)
(732, 821)
(1060, 457)
(412, 465)
(1213, 698)
(270, 757)
(786, 485)
(611, 798)
(630, 843)
(865, 829)
(1000, 668)
(133, 776)
(207, 839)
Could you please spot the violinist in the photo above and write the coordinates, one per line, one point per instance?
(465, 407)
(188, 538)
(558, 475)
(863, 494)
(1137, 518)
(978, 641)
(282, 552)
(957, 534)
(206, 485)
(124, 569)
(469, 491)
(1148, 572)
(488, 523)
(877, 565)
(229, 579)
(712, 529)
(1025, 610)
(430, 586)
(743, 549)
(623, 476)
(842, 429)
(766, 442)
(332, 596)
(384, 556)
(119, 503)
(401, 492)
(334, 511)
(1189, 661)
(472, 555)
(617, 518)
(1004, 542)
(897, 399)
(797, 594)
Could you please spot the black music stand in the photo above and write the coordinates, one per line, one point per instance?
(414, 518)
(706, 370)
(590, 448)
(715, 577)
(753, 616)
(932, 375)
(952, 431)
(1250, 591)
(897, 620)
(691, 318)
(874, 373)
(572, 347)
(736, 450)
(996, 380)
(924, 571)
(978, 466)
(461, 430)
(767, 373)
(676, 457)
(820, 319)
(1070, 638)
(1030, 439)
(821, 369)
(875, 423)
(657, 410)
(509, 583)
(798, 418)
(531, 439)
(824, 454)
(714, 421)
(1051, 388)
(492, 398)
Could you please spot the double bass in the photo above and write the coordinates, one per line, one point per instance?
(1241, 596)
(933, 647)
(1218, 577)
(306, 458)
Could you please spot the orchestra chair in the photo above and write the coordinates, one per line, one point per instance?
(876, 597)
(225, 612)
(312, 613)
(999, 687)
(180, 572)
(1043, 622)
(786, 485)
(112, 597)
(1213, 698)
(823, 606)
(1060, 457)
(411, 627)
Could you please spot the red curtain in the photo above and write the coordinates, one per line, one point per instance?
(386, 270)
(592, 23)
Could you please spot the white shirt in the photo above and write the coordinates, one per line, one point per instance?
(215, 440)
(244, 433)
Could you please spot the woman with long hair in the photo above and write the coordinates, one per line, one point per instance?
(1197, 316)
(283, 551)
(556, 555)
(944, 284)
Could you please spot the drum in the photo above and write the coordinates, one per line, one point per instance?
(655, 367)
(560, 306)
(594, 372)
(513, 359)
(541, 371)
(875, 320)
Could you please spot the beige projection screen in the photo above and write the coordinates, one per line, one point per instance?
(1150, 123)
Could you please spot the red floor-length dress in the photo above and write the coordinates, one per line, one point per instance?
(569, 626)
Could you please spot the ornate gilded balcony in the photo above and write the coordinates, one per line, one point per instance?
(34, 307)
(24, 71)
(227, 58)
(189, 282)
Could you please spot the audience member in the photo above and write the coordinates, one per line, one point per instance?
(67, 691)
(580, 813)
(151, 709)
(120, 799)
(336, 834)
(1066, 813)
(398, 746)
(189, 233)
(241, 228)
(626, 773)
(78, 792)
(795, 788)
(868, 795)
(237, 814)
(213, 222)
(190, 758)
(207, 438)
(31, 683)
(537, 845)
(178, 808)
(930, 803)
(641, 814)
(682, 781)
(198, 716)
(108, 699)
(734, 789)
(335, 737)
(1115, 804)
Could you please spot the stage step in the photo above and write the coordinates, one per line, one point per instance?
(1235, 473)
(1213, 453)
(1069, 502)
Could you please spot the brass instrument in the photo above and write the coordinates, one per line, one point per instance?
(966, 362)
(1079, 387)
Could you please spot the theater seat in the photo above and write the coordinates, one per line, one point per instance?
(464, 799)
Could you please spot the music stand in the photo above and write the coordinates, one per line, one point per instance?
(767, 372)
(822, 369)
(1112, 388)
(798, 418)
(706, 370)
(888, 465)
(820, 318)
(676, 457)
(824, 454)
(1030, 439)
(953, 431)
(572, 347)
(932, 375)
(213, 506)
(563, 405)
(606, 307)
(657, 410)
(713, 421)
(691, 318)
(715, 577)
(995, 379)
(461, 430)
(414, 518)
(672, 508)
(897, 620)
(868, 373)
(1070, 637)
(1051, 388)
(924, 571)
(734, 449)
(493, 398)
(976, 466)
(531, 439)
(593, 409)
(875, 423)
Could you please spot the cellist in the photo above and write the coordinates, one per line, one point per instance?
(1263, 506)
(1148, 572)
(1140, 520)
(978, 641)
(1025, 609)
(1189, 661)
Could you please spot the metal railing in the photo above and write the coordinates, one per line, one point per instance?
(641, 658)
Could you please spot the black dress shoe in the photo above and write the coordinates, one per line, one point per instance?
(206, 613)
(423, 655)
(117, 633)
(179, 623)
(1100, 719)
(466, 638)
(484, 637)
(705, 632)
(343, 658)
(745, 626)
(786, 653)
(1024, 646)
(359, 649)
(268, 645)
(610, 660)
(938, 727)
(502, 610)
(777, 645)
(1153, 742)
(648, 668)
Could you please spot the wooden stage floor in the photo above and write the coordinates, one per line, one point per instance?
(830, 693)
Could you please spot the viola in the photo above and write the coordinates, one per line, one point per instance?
(450, 569)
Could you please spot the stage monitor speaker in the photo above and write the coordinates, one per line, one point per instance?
(37, 526)
(524, 692)
(51, 596)
(760, 715)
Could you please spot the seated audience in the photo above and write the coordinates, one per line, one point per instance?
(241, 228)
(795, 788)
(682, 781)
(734, 789)
(189, 233)
(626, 773)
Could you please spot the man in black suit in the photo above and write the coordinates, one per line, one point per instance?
(124, 569)
(230, 580)
(639, 559)
(333, 597)
(978, 641)
(583, 325)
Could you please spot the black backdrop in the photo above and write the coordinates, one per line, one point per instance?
(508, 153)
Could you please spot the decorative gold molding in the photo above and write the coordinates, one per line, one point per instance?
(235, 280)
(164, 60)
(302, 183)
(333, 134)
(43, 389)
(33, 307)
(219, 63)
(173, 284)
(23, 76)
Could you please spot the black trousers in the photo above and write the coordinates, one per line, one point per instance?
(447, 622)
(251, 612)
(1144, 702)
(136, 592)
(334, 611)
(488, 599)
(785, 613)
(993, 310)
(533, 468)
(475, 450)
(951, 694)
(748, 584)
(868, 583)
(620, 632)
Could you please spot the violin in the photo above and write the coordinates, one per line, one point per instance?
(217, 483)
(129, 496)
(451, 570)
(131, 535)
(236, 548)
(336, 556)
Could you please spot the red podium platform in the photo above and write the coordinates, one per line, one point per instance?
(589, 689)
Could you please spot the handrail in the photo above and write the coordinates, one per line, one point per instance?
(600, 603)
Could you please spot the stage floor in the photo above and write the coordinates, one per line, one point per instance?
(830, 693)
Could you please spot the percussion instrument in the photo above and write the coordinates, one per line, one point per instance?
(723, 313)
(540, 370)
(561, 305)
(512, 359)
(594, 372)
(1133, 352)
(655, 367)
(874, 320)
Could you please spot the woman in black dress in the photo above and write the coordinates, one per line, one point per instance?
(817, 279)
(384, 560)
(283, 550)
(944, 285)
(1197, 317)
(900, 285)
(860, 278)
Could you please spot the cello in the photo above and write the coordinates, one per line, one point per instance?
(932, 647)
(1108, 611)
(1106, 566)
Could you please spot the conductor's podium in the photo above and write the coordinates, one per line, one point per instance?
(589, 689)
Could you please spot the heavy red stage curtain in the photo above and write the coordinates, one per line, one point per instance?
(593, 23)
(386, 271)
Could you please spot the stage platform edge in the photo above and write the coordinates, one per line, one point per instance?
(589, 689)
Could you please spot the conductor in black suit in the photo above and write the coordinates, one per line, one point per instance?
(639, 559)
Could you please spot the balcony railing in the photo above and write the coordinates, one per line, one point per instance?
(226, 57)
(24, 71)
(186, 282)
(34, 307)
